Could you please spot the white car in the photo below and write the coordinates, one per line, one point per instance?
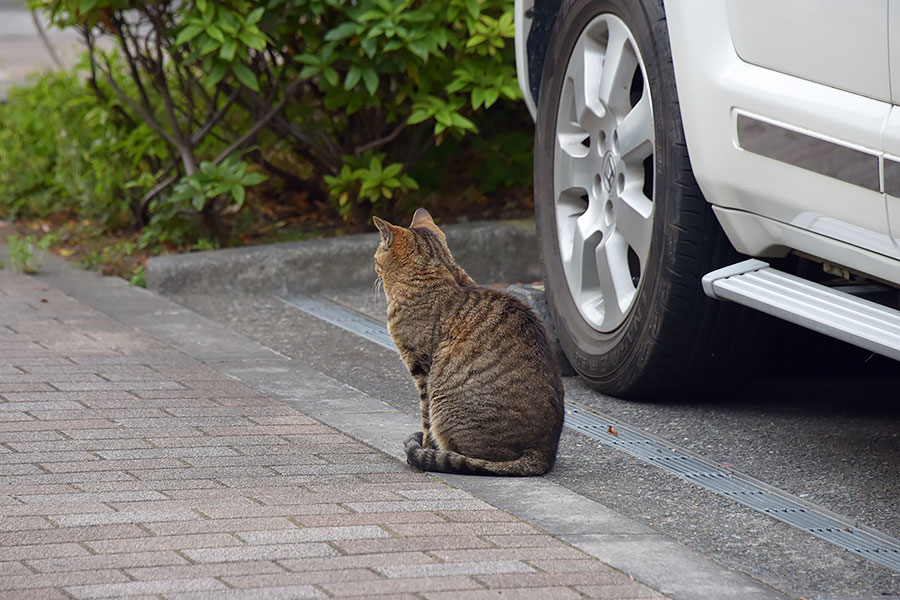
(693, 156)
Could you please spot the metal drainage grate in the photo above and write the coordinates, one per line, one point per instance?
(722, 479)
(349, 320)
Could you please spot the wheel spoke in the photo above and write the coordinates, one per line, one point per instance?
(581, 269)
(618, 69)
(583, 71)
(614, 278)
(572, 173)
(635, 133)
(634, 221)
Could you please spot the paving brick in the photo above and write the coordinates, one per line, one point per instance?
(95, 386)
(528, 554)
(632, 591)
(219, 525)
(269, 593)
(112, 431)
(566, 565)
(400, 586)
(36, 594)
(162, 542)
(37, 551)
(84, 497)
(523, 541)
(427, 544)
(186, 571)
(25, 510)
(601, 576)
(367, 519)
(152, 453)
(356, 561)
(47, 457)
(293, 510)
(134, 588)
(313, 534)
(223, 440)
(88, 445)
(455, 568)
(124, 517)
(419, 505)
(553, 593)
(106, 561)
(71, 534)
(304, 578)
(443, 529)
(476, 516)
(154, 464)
(9, 569)
(39, 580)
(19, 386)
(272, 552)
(24, 523)
(291, 429)
(56, 425)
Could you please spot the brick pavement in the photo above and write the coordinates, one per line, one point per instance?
(129, 468)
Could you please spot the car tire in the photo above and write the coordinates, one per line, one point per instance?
(625, 234)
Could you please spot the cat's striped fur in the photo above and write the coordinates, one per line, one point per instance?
(489, 388)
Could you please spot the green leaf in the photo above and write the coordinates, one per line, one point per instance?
(353, 76)
(418, 116)
(201, 4)
(187, 34)
(370, 78)
(245, 76)
(239, 193)
(198, 202)
(228, 50)
(254, 17)
(215, 33)
(217, 72)
(331, 76)
(253, 178)
(344, 30)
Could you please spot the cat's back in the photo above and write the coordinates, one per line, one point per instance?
(497, 331)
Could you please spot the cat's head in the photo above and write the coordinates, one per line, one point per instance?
(419, 249)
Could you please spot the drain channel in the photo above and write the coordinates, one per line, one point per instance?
(722, 479)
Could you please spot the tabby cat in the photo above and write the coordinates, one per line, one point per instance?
(489, 388)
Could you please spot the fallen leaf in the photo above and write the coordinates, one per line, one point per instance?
(66, 252)
(44, 300)
(612, 431)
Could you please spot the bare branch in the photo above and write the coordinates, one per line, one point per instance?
(288, 92)
(381, 141)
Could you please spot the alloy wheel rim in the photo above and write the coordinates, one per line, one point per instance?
(603, 166)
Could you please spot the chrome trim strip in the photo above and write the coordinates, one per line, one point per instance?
(808, 152)
(892, 177)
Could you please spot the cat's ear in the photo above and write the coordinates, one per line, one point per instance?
(386, 229)
(422, 218)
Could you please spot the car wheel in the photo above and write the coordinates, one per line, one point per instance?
(624, 232)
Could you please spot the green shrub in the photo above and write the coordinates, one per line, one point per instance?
(57, 154)
(338, 84)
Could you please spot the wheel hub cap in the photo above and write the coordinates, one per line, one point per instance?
(603, 165)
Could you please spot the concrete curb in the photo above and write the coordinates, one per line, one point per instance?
(616, 540)
(490, 252)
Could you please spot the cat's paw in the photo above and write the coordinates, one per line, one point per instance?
(413, 440)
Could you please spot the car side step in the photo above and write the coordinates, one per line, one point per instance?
(860, 322)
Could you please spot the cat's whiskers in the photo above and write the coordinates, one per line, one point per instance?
(378, 289)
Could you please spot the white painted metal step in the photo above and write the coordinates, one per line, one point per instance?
(840, 315)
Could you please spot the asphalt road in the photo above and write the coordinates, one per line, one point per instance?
(826, 429)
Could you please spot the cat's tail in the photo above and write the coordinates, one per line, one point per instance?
(532, 462)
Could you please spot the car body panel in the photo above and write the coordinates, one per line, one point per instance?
(840, 43)
(715, 86)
